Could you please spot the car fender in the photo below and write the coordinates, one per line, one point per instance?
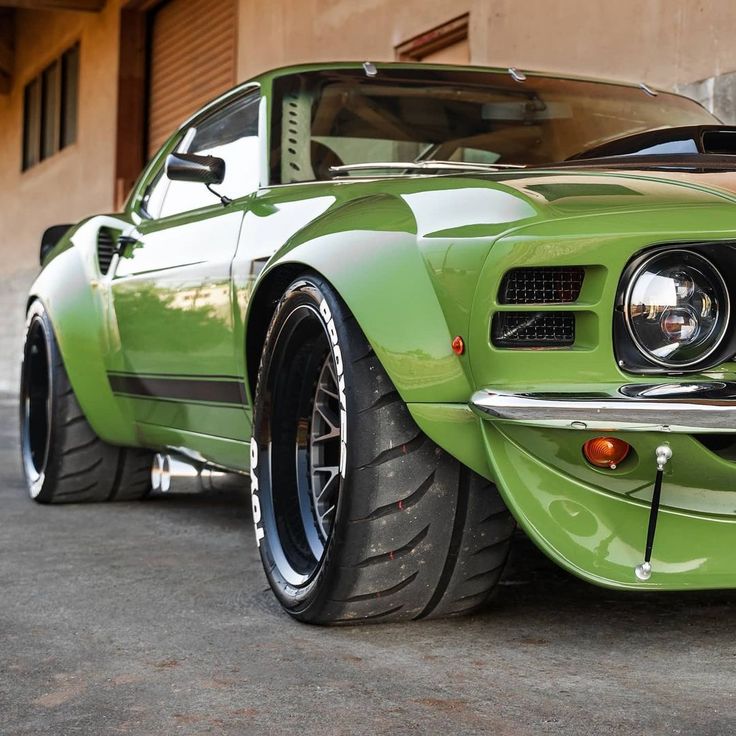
(77, 299)
(382, 276)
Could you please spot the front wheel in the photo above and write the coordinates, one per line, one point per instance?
(359, 515)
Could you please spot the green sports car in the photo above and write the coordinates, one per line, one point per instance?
(417, 305)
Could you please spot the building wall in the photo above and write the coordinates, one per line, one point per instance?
(73, 183)
(664, 42)
(668, 43)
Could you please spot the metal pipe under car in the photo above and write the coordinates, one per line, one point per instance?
(174, 473)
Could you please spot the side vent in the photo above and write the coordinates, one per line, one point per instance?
(106, 241)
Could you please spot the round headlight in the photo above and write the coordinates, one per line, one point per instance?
(677, 308)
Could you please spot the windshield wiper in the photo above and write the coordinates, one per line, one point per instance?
(428, 165)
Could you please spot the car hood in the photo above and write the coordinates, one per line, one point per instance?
(489, 205)
(576, 192)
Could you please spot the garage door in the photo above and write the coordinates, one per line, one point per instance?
(192, 60)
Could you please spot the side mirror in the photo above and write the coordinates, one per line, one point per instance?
(51, 236)
(191, 167)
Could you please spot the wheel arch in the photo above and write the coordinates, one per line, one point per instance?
(388, 290)
(260, 313)
(392, 298)
(76, 301)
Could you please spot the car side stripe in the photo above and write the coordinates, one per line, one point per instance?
(176, 388)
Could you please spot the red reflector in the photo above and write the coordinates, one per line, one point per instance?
(458, 346)
(606, 452)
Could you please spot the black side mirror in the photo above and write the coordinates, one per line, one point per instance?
(51, 236)
(191, 167)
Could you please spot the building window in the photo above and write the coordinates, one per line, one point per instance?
(50, 109)
(445, 44)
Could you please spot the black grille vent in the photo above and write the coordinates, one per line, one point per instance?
(533, 329)
(105, 249)
(544, 285)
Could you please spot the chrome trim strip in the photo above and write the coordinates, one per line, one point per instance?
(705, 407)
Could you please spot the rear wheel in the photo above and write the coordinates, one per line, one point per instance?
(358, 514)
(63, 459)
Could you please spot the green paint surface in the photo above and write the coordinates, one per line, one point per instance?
(417, 260)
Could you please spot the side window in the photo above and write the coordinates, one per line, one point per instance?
(154, 196)
(230, 134)
(153, 199)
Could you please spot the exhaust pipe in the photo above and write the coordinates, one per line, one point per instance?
(176, 474)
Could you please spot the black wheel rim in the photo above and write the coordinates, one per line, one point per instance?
(35, 406)
(301, 489)
(324, 448)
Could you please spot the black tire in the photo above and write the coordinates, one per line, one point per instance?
(415, 534)
(64, 461)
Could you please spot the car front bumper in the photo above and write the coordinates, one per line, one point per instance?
(593, 521)
(691, 408)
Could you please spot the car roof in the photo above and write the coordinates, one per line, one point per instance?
(420, 65)
(268, 76)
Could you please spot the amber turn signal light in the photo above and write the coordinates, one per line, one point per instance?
(606, 452)
(458, 345)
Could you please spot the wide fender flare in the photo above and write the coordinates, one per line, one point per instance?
(77, 301)
(383, 279)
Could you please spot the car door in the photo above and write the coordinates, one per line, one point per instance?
(171, 292)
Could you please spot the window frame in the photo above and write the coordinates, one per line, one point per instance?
(156, 168)
(50, 110)
(353, 72)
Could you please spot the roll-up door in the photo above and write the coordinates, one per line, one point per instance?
(192, 60)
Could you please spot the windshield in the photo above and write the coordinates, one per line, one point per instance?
(328, 118)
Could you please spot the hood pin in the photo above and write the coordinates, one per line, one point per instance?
(644, 570)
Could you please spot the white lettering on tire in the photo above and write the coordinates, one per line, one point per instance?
(340, 370)
(254, 498)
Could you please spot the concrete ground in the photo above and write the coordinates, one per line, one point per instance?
(153, 618)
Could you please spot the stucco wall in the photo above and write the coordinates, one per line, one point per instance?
(667, 43)
(293, 31)
(664, 42)
(71, 184)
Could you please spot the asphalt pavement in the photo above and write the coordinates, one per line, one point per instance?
(154, 618)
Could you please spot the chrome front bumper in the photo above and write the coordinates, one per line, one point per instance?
(703, 407)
